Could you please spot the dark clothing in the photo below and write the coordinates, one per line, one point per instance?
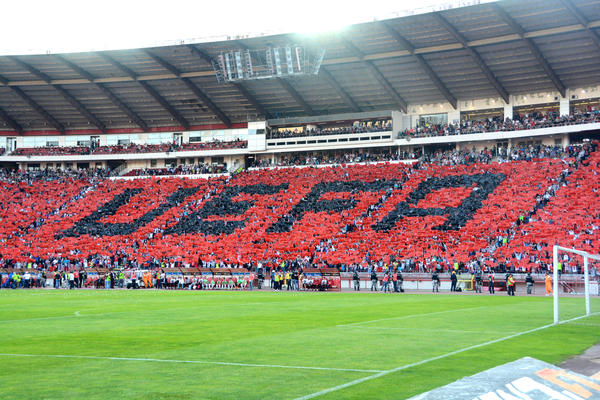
(435, 280)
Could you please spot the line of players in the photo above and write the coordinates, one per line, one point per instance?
(228, 282)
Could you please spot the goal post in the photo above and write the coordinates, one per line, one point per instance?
(586, 276)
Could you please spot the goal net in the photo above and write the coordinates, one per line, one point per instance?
(574, 276)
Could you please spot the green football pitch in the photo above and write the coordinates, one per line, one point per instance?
(96, 344)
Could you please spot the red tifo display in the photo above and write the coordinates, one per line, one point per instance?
(363, 212)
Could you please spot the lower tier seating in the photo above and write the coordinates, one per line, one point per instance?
(495, 213)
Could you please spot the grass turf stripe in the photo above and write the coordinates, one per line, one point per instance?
(188, 362)
(402, 367)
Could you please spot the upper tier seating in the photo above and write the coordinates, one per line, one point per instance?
(214, 145)
(50, 151)
(518, 123)
(129, 148)
(379, 126)
(134, 148)
(348, 214)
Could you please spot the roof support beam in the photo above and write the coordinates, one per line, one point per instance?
(338, 88)
(296, 96)
(424, 65)
(193, 88)
(583, 21)
(63, 92)
(400, 102)
(39, 109)
(11, 122)
(387, 86)
(107, 92)
(253, 100)
(532, 47)
(149, 89)
(238, 85)
(165, 104)
(474, 55)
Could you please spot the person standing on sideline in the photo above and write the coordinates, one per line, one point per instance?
(478, 281)
(510, 285)
(296, 280)
(356, 280)
(400, 282)
(373, 280)
(386, 280)
(251, 281)
(395, 280)
(71, 277)
(76, 277)
(56, 280)
(453, 280)
(435, 280)
(288, 280)
(491, 283)
(548, 283)
(529, 281)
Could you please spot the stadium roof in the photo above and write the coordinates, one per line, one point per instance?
(488, 50)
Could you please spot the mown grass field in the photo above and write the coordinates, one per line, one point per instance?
(95, 344)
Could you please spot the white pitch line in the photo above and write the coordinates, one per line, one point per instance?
(377, 328)
(410, 316)
(402, 367)
(189, 362)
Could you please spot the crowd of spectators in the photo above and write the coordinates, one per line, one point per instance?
(361, 127)
(134, 148)
(447, 157)
(179, 170)
(51, 151)
(349, 157)
(49, 175)
(493, 257)
(519, 122)
(213, 145)
(131, 148)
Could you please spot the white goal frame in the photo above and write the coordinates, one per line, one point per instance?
(586, 276)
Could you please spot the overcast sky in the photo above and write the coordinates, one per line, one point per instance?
(58, 26)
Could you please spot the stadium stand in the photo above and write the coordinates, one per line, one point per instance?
(568, 210)
(518, 123)
(51, 151)
(342, 157)
(134, 148)
(362, 127)
(214, 145)
(179, 170)
(341, 216)
(131, 148)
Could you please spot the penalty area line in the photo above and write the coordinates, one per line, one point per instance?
(190, 362)
(415, 364)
